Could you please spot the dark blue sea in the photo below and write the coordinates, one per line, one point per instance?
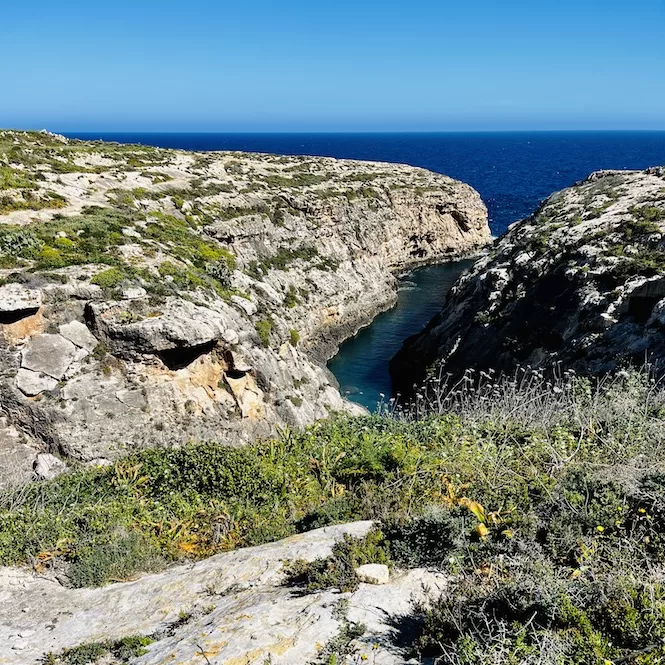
(513, 171)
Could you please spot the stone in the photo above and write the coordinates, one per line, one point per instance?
(179, 325)
(132, 398)
(230, 336)
(373, 573)
(245, 305)
(79, 334)
(238, 361)
(134, 293)
(248, 396)
(32, 383)
(129, 232)
(48, 354)
(18, 298)
(47, 466)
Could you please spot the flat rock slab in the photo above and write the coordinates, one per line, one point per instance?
(240, 612)
(48, 354)
(178, 325)
(243, 587)
(18, 298)
(33, 383)
(77, 333)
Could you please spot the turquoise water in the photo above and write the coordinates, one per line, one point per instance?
(361, 366)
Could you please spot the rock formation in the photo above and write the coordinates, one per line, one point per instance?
(580, 284)
(150, 297)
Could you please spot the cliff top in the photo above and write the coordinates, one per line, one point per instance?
(152, 297)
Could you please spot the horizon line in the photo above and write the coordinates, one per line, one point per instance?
(355, 131)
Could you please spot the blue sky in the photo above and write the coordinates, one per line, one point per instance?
(323, 65)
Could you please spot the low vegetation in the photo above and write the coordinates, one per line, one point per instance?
(543, 501)
(90, 652)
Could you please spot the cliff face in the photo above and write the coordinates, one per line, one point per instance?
(580, 283)
(149, 297)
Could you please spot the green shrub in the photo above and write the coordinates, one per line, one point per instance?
(337, 571)
(112, 556)
(649, 214)
(291, 299)
(122, 650)
(582, 621)
(263, 330)
(109, 279)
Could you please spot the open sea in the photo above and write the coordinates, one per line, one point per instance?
(513, 171)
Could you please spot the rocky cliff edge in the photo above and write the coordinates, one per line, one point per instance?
(149, 297)
(580, 285)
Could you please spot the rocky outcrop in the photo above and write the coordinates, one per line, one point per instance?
(580, 284)
(151, 297)
(230, 608)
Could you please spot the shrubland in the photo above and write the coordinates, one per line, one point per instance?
(544, 501)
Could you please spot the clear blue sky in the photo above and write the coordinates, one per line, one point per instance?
(332, 65)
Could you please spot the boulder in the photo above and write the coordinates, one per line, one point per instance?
(47, 466)
(373, 573)
(19, 298)
(32, 383)
(245, 305)
(78, 333)
(48, 354)
(179, 324)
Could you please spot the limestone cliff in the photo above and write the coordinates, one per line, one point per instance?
(579, 284)
(149, 297)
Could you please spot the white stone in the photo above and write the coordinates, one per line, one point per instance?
(78, 333)
(245, 305)
(16, 298)
(230, 336)
(239, 362)
(373, 573)
(47, 466)
(134, 293)
(32, 383)
(49, 354)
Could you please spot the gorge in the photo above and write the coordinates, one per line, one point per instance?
(176, 296)
(183, 482)
(361, 366)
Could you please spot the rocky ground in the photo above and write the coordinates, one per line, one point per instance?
(232, 608)
(149, 297)
(580, 285)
